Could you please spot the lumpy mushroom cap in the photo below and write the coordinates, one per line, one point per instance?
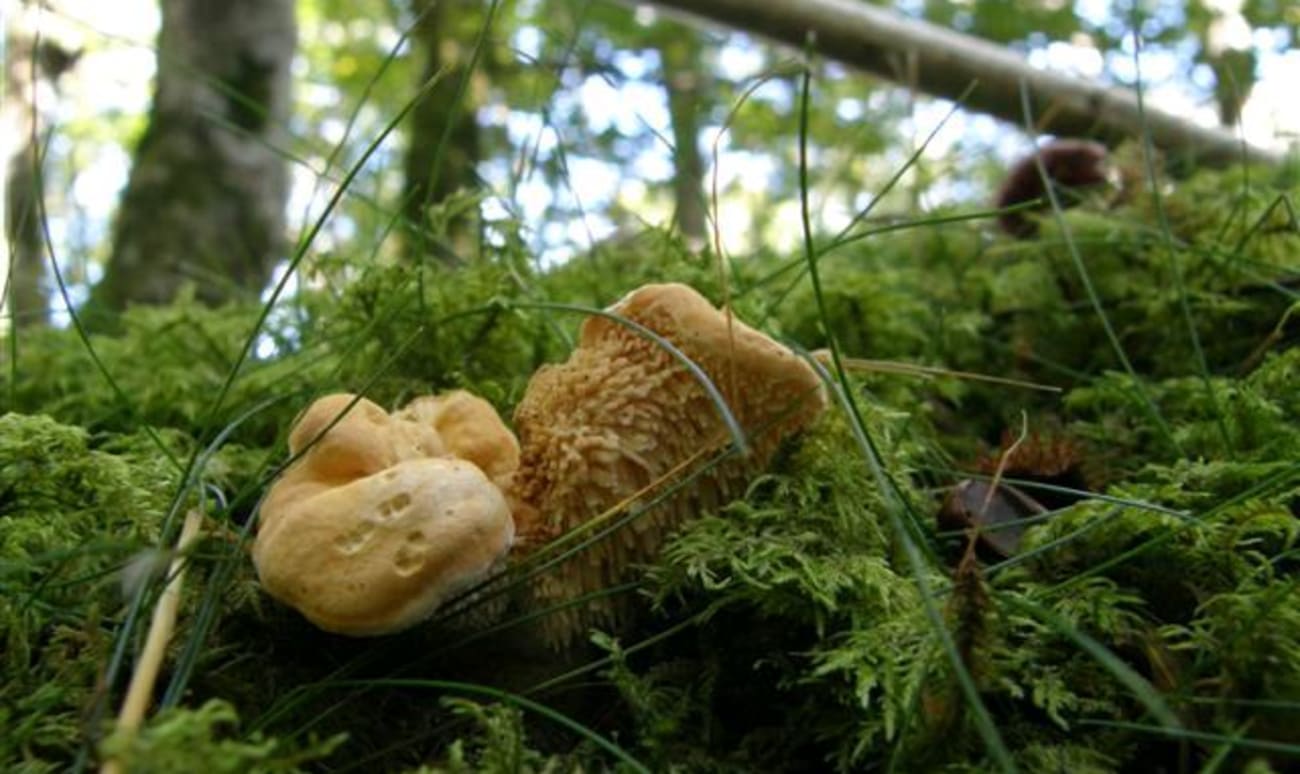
(383, 517)
(622, 414)
(470, 429)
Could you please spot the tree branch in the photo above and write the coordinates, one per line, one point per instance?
(943, 63)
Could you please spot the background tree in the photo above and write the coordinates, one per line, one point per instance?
(25, 296)
(681, 53)
(573, 125)
(206, 198)
(28, 63)
(443, 142)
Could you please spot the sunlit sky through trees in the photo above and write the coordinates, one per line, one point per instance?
(99, 109)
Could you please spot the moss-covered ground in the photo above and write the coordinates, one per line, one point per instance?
(1147, 620)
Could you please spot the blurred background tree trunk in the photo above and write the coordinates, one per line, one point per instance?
(444, 36)
(680, 50)
(206, 197)
(28, 62)
(27, 298)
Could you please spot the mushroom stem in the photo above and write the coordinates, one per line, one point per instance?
(162, 624)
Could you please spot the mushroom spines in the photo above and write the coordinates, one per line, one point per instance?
(717, 340)
(623, 418)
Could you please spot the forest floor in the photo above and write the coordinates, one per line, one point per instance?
(1129, 603)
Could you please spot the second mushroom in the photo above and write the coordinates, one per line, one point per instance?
(623, 419)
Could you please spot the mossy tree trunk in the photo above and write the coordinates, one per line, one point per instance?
(206, 198)
(443, 138)
(680, 51)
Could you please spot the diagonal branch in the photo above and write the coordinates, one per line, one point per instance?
(943, 63)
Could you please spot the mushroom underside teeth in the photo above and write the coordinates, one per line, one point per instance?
(623, 420)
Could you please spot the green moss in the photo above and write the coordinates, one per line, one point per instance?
(402, 331)
(72, 516)
(1251, 425)
(497, 744)
(208, 739)
(611, 268)
(169, 364)
(801, 635)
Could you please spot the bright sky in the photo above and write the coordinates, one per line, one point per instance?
(114, 73)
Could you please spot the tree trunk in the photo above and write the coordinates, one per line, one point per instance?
(24, 279)
(432, 176)
(1234, 76)
(680, 53)
(944, 63)
(206, 198)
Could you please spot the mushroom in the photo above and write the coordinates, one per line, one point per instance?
(622, 415)
(470, 429)
(1071, 165)
(384, 517)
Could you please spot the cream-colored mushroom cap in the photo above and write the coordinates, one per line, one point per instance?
(378, 522)
(469, 428)
(622, 414)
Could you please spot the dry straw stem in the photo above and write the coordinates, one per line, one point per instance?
(1002, 463)
(909, 369)
(160, 632)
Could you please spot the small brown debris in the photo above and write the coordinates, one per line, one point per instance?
(990, 513)
(1043, 458)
